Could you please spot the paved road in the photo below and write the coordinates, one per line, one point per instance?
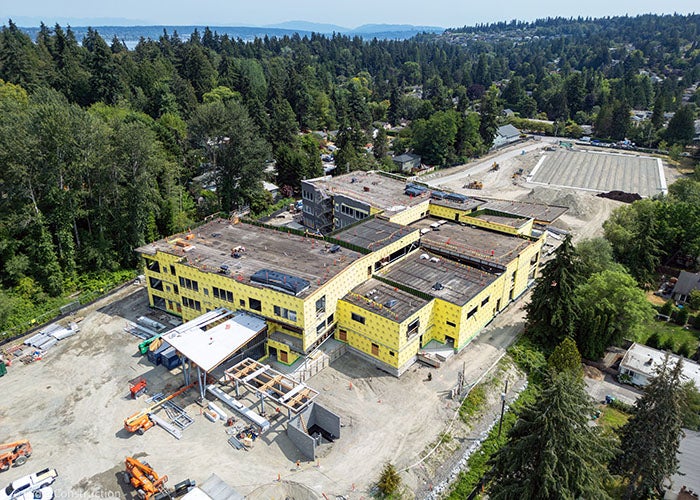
(598, 389)
(484, 164)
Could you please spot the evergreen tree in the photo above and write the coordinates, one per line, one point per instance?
(620, 120)
(552, 452)
(650, 439)
(105, 85)
(380, 146)
(490, 111)
(681, 128)
(566, 357)
(552, 311)
(389, 480)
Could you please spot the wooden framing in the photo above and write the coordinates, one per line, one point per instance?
(261, 378)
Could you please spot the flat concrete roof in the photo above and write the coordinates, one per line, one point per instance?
(210, 246)
(646, 360)
(538, 211)
(515, 222)
(601, 172)
(373, 234)
(472, 243)
(438, 277)
(215, 336)
(385, 300)
(377, 190)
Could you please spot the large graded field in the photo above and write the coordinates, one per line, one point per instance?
(72, 404)
(600, 172)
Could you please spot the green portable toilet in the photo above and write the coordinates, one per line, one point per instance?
(3, 368)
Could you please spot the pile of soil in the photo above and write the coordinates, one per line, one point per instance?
(593, 373)
(620, 196)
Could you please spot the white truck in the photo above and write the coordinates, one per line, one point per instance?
(33, 487)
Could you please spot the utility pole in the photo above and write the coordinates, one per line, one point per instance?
(503, 409)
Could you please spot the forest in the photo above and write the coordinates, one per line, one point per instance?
(100, 145)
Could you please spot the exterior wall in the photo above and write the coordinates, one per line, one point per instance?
(439, 320)
(449, 213)
(526, 229)
(338, 286)
(291, 356)
(317, 209)
(412, 214)
(341, 219)
(636, 378)
(486, 305)
(381, 338)
(169, 282)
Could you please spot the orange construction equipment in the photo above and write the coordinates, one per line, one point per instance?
(137, 387)
(144, 479)
(140, 422)
(14, 454)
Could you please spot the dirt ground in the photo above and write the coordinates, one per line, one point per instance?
(71, 405)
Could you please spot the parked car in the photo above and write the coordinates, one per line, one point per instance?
(33, 487)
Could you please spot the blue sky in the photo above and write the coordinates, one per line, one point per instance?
(347, 13)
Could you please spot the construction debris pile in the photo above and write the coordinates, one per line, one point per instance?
(34, 348)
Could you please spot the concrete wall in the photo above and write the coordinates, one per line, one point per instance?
(295, 432)
(314, 414)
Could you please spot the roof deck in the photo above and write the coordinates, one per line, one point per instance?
(374, 234)
(385, 300)
(244, 250)
(438, 277)
(472, 244)
(469, 204)
(541, 213)
(377, 190)
(515, 222)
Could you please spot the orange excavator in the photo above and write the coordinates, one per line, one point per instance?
(145, 480)
(15, 453)
(140, 422)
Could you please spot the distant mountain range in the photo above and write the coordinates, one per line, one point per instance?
(132, 34)
(364, 29)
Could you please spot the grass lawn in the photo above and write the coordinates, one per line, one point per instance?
(669, 330)
(611, 418)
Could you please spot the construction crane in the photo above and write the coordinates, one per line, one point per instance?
(147, 483)
(15, 453)
(140, 422)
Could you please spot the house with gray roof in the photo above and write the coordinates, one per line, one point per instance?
(505, 135)
(641, 362)
(687, 282)
(407, 162)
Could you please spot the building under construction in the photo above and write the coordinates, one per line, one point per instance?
(421, 269)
